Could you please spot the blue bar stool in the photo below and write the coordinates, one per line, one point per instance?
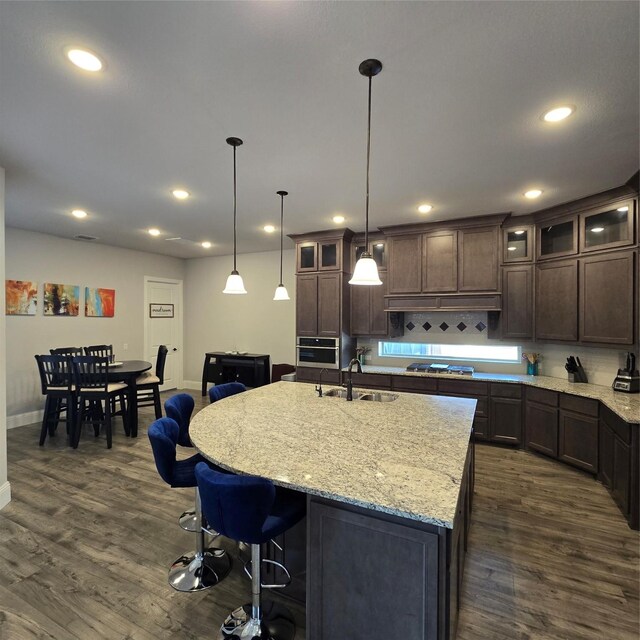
(220, 391)
(252, 510)
(205, 567)
(179, 408)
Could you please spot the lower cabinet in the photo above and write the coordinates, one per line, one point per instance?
(541, 428)
(506, 420)
(312, 374)
(578, 440)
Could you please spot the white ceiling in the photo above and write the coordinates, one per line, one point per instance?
(456, 113)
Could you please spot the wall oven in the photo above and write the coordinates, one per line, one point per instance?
(323, 353)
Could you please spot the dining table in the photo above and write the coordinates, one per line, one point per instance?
(127, 371)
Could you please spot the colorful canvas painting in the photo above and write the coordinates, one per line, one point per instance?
(21, 297)
(61, 299)
(99, 303)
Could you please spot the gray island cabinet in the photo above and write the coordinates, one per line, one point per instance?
(389, 490)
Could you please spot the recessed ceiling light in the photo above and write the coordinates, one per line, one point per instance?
(154, 232)
(206, 245)
(511, 248)
(380, 244)
(425, 208)
(269, 228)
(597, 229)
(79, 213)
(558, 114)
(180, 194)
(338, 219)
(622, 209)
(532, 194)
(519, 232)
(84, 59)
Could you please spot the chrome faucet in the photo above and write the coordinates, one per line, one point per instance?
(349, 381)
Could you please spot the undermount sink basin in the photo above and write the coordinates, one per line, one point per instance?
(340, 393)
(379, 397)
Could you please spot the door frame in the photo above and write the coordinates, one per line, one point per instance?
(178, 316)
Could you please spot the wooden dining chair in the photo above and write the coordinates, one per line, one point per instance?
(59, 391)
(99, 351)
(148, 384)
(66, 351)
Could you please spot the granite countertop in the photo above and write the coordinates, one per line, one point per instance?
(404, 457)
(626, 405)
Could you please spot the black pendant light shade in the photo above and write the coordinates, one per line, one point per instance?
(281, 291)
(235, 285)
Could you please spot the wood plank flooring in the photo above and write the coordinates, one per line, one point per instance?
(86, 542)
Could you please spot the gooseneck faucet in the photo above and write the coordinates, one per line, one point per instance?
(319, 387)
(349, 381)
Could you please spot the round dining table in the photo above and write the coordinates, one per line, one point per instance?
(127, 372)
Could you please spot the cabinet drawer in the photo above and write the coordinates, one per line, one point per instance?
(310, 374)
(505, 390)
(463, 387)
(414, 384)
(579, 405)
(543, 396)
(374, 380)
(616, 424)
(481, 428)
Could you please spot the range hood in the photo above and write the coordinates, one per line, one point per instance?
(444, 302)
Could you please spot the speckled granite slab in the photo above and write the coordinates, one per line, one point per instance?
(404, 457)
(626, 405)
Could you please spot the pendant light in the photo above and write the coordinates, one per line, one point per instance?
(234, 281)
(366, 269)
(281, 290)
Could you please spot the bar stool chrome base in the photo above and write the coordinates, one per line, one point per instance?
(199, 571)
(277, 624)
(189, 521)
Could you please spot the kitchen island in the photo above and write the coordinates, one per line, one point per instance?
(389, 488)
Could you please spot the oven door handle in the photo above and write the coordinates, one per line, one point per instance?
(328, 348)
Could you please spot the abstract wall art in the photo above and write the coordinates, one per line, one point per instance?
(99, 303)
(21, 297)
(61, 299)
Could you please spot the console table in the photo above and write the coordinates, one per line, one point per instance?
(252, 369)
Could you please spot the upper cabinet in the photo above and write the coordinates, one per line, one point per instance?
(377, 248)
(325, 251)
(607, 227)
(478, 259)
(557, 238)
(441, 262)
(405, 263)
(517, 244)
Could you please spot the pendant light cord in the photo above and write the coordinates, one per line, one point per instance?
(281, 234)
(366, 216)
(234, 209)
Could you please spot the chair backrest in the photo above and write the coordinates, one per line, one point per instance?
(179, 408)
(235, 506)
(220, 391)
(66, 351)
(279, 370)
(163, 435)
(90, 372)
(99, 350)
(160, 362)
(55, 371)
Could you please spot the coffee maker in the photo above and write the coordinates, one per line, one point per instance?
(628, 380)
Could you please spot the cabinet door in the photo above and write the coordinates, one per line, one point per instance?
(307, 305)
(621, 480)
(541, 429)
(441, 262)
(329, 255)
(607, 227)
(506, 420)
(517, 302)
(478, 259)
(379, 319)
(557, 301)
(578, 440)
(606, 298)
(605, 455)
(557, 238)
(405, 264)
(361, 310)
(517, 244)
(481, 428)
(329, 304)
(306, 256)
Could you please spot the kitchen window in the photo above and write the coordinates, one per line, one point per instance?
(466, 352)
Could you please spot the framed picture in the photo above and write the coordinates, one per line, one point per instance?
(61, 299)
(160, 310)
(99, 303)
(21, 297)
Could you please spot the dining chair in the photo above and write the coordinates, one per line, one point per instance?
(279, 370)
(221, 391)
(57, 387)
(90, 375)
(99, 350)
(66, 351)
(148, 384)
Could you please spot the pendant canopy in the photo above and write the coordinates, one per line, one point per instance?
(366, 269)
(235, 285)
(281, 291)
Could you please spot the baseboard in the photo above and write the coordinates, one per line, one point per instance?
(23, 419)
(5, 494)
(192, 384)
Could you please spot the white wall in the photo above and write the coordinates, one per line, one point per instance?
(253, 322)
(5, 489)
(45, 258)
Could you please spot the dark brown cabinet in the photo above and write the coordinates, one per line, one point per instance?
(607, 227)
(606, 298)
(312, 374)
(517, 302)
(541, 421)
(557, 301)
(505, 422)
(578, 440)
(557, 237)
(405, 263)
(307, 305)
(441, 262)
(478, 259)
(517, 244)
(368, 317)
(318, 300)
(325, 255)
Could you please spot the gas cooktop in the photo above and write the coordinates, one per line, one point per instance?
(440, 368)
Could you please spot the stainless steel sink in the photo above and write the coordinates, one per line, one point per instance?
(379, 397)
(340, 393)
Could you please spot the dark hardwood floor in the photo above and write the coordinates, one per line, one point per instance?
(87, 539)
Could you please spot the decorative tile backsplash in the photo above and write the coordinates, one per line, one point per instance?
(437, 324)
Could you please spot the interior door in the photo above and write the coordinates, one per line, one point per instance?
(162, 327)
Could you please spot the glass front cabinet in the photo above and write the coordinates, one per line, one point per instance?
(319, 256)
(517, 244)
(557, 238)
(607, 227)
(377, 248)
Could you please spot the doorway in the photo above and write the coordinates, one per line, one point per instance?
(163, 325)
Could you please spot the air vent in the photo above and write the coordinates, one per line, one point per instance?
(80, 236)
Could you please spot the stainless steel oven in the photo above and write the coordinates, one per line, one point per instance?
(318, 352)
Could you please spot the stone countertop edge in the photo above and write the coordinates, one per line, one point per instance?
(625, 405)
(405, 458)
